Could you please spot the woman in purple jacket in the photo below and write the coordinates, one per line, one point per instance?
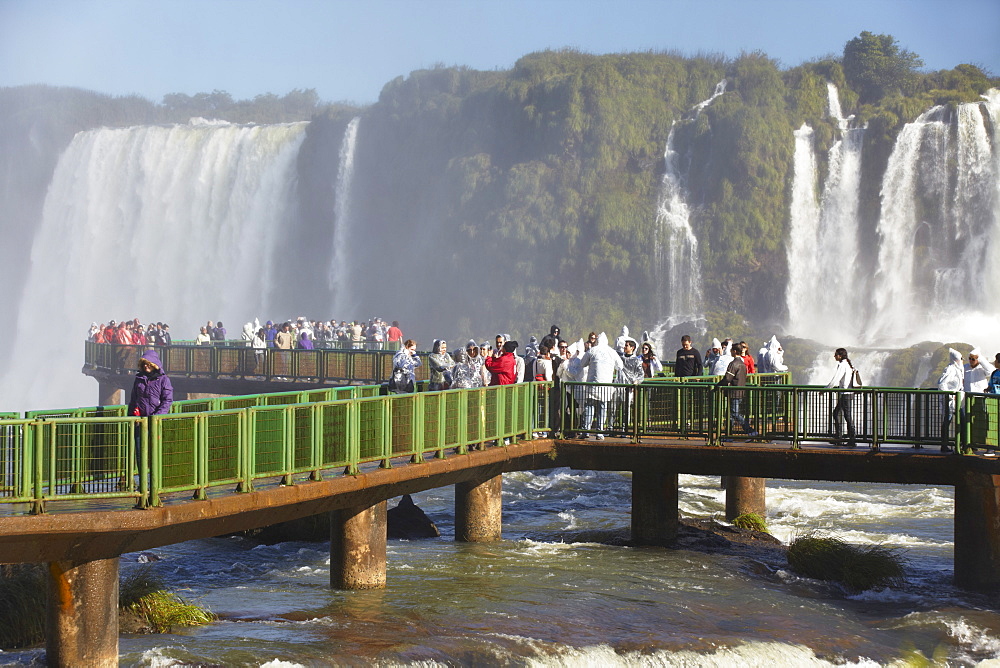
(152, 394)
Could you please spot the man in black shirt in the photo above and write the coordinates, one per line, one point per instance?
(688, 361)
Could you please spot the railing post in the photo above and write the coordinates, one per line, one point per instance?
(287, 446)
(353, 447)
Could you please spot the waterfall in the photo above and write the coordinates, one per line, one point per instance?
(802, 247)
(340, 269)
(825, 289)
(935, 279)
(677, 265)
(869, 364)
(174, 224)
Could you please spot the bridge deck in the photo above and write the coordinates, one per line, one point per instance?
(108, 527)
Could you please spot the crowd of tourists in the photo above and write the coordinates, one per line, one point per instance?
(587, 360)
(130, 333)
(290, 334)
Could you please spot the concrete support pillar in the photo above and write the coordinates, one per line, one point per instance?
(654, 506)
(357, 547)
(977, 531)
(109, 395)
(744, 495)
(479, 510)
(81, 625)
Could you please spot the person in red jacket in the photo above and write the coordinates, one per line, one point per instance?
(747, 358)
(503, 367)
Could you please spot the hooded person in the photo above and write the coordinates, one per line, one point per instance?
(712, 356)
(952, 379)
(620, 341)
(725, 357)
(152, 393)
(530, 355)
(771, 358)
(465, 374)
(441, 364)
(248, 332)
(601, 363)
(305, 340)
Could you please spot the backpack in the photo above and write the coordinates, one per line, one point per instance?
(399, 381)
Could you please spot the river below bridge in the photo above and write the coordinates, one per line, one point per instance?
(551, 594)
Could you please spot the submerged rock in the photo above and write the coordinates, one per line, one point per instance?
(407, 521)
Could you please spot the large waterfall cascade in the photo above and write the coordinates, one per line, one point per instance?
(340, 269)
(677, 265)
(939, 214)
(824, 294)
(176, 224)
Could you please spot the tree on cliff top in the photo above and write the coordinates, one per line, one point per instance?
(875, 65)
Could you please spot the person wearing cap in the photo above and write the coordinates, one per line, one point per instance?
(977, 372)
(977, 380)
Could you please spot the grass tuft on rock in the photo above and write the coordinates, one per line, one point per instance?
(145, 595)
(164, 611)
(857, 567)
(143, 601)
(22, 605)
(752, 521)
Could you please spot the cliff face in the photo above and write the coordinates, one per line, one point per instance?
(588, 191)
(544, 193)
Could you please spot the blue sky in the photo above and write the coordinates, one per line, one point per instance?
(348, 49)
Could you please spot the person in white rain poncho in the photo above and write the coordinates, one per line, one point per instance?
(632, 373)
(725, 357)
(601, 363)
(712, 356)
(465, 374)
(771, 358)
(952, 380)
(977, 380)
(977, 373)
(620, 341)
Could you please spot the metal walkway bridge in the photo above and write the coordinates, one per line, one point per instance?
(81, 486)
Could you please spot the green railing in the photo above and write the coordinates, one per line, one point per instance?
(695, 407)
(318, 366)
(234, 441)
(98, 453)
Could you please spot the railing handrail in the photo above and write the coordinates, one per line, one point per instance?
(320, 365)
(55, 456)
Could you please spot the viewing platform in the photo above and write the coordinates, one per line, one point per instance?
(82, 486)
